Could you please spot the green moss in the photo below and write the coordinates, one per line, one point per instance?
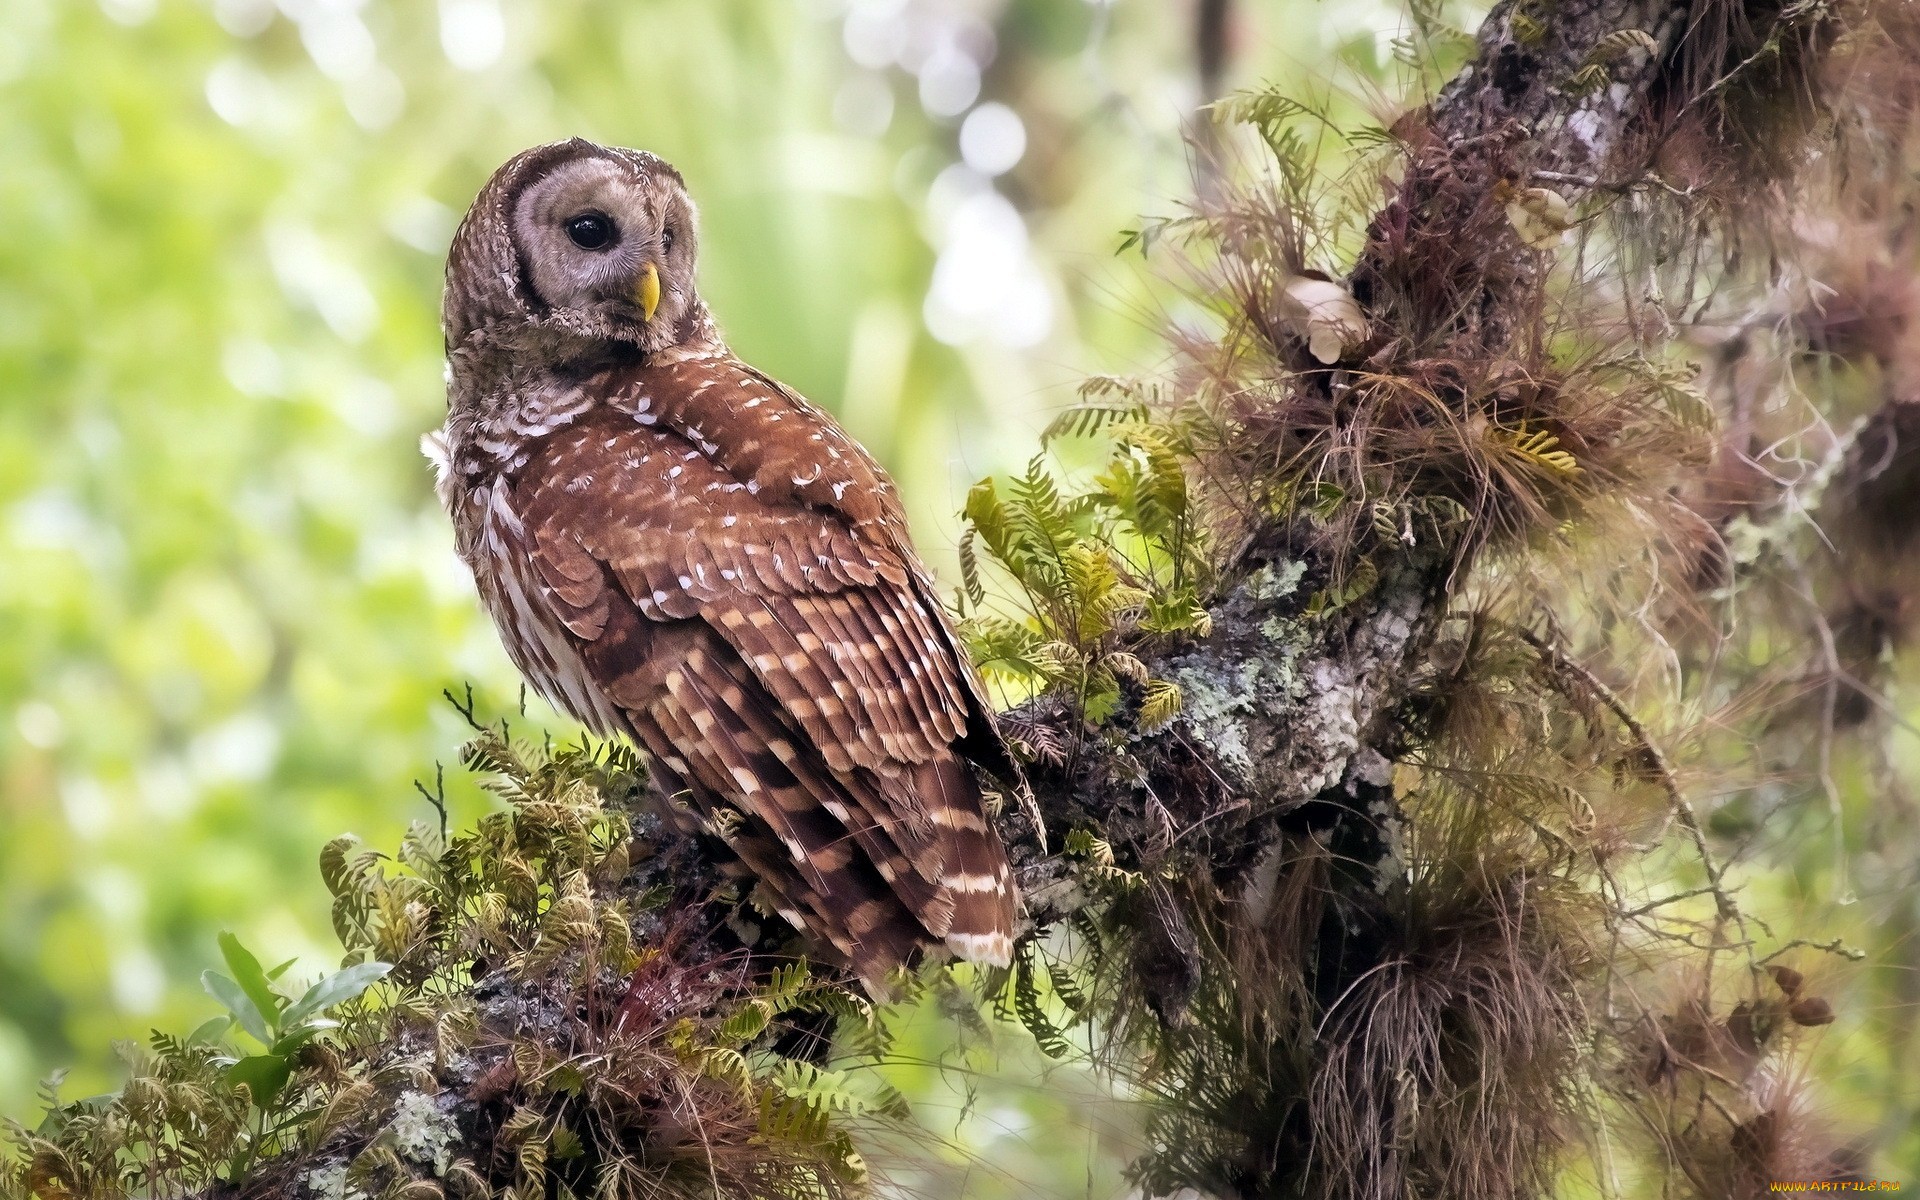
(517, 950)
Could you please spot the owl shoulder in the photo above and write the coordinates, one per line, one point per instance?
(764, 433)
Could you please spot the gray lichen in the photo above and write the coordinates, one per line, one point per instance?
(1222, 706)
(1276, 581)
(1281, 705)
(330, 1183)
(423, 1129)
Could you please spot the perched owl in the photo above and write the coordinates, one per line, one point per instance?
(679, 549)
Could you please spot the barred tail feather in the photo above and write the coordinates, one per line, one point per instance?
(877, 864)
(977, 878)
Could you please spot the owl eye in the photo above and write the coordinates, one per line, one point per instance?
(666, 240)
(590, 231)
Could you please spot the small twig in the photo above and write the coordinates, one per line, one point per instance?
(437, 797)
(1590, 182)
(1692, 943)
(1595, 184)
(1836, 946)
(1683, 811)
(1650, 905)
(465, 707)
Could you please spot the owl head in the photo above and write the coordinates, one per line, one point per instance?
(578, 240)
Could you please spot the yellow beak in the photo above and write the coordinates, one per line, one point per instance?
(648, 293)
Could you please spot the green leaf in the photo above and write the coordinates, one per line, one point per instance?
(748, 1023)
(337, 988)
(251, 978)
(421, 850)
(1162, 704)
(786, 982)
(231, 994)
(264, 1075)
(1322, 499)
(1030, 1008)
(299, 1035)
(565, 1144)
(1090, 417)
(970, 570)
(280, 970)
(335, 869)
(209, 1031)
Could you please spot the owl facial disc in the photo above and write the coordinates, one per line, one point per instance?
(595, 243)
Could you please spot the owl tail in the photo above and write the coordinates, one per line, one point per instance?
(976, 877)
(877, 865)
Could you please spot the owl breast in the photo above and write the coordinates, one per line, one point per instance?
(493, 544)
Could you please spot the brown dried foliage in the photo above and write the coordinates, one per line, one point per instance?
(1449, 996)
(1483, 406)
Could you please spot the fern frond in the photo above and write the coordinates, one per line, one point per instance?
(1106, 402)
(1162, 704)
(1539, 449)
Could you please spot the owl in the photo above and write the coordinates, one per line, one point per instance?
(680, 550)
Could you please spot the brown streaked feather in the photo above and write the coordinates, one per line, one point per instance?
(830, 619)
(756, 613)
(982, 924)
(760, 852)
(827, 715)
(741, 754)
(667, 725)
(894, 847)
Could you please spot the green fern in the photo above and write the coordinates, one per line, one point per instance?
(530, 893)
(1097, 567)
(1538, 449)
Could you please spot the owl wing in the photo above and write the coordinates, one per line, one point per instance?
(786, 673)
(791, 451)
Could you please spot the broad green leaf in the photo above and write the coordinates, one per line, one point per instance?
(209, 1031)
(231, 994)
(337, 988)
(298, 1035)
(264, 1075)
(249, 975)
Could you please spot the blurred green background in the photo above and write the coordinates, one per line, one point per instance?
(228, 600)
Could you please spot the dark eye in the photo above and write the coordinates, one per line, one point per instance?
(666, 240)
(590, 231)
